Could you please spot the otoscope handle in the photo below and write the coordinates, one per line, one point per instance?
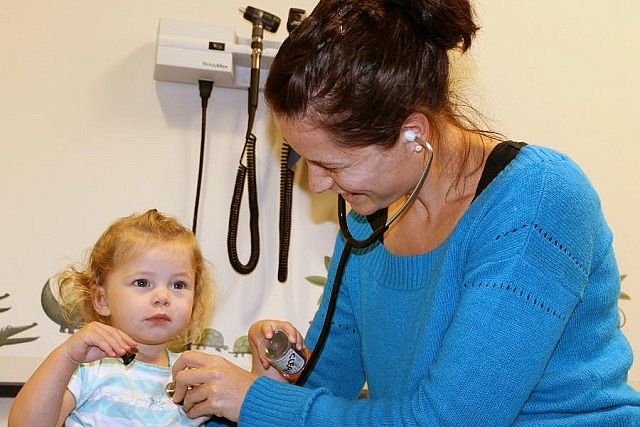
(256, 55)
(254, 88)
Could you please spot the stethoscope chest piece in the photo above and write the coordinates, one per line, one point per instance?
(170, 389)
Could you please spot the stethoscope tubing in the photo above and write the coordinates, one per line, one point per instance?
(331, 307)
(352, 242)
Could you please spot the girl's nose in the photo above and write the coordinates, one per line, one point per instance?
(319, 179)
(161, 296)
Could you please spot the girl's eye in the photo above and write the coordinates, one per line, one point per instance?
(141, 283)
(179, 285)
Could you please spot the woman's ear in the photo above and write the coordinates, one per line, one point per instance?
(418, 123)
(100, 302)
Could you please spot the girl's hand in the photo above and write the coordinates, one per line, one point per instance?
(95, 341)
(44, 399)
(263, 330)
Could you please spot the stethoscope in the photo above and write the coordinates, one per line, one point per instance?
(352, 242)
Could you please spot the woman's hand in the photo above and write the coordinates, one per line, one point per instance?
(263, 330)
(210, 385)
(95, 341)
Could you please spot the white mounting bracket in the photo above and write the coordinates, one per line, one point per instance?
(191, 51)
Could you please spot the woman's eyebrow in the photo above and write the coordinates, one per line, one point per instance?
(325, 164)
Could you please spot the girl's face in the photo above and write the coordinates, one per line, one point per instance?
(150, 295)
(369, 178)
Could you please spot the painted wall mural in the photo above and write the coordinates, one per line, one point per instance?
(7, 332)
(51, 307)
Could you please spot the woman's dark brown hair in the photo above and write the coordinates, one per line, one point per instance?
(358, 68)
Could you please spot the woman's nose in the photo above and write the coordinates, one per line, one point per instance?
(319, 179)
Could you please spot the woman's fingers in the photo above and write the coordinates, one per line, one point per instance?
(214, 386)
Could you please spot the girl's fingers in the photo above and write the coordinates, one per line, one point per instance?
(113, 342)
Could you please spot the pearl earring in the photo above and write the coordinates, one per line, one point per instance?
(417, 148)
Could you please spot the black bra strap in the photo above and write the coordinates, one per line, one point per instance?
(498, 159)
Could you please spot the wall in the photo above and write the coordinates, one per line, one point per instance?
(89, 136)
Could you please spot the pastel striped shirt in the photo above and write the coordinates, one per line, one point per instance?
(108, 393)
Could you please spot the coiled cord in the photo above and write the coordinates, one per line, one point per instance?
(249, 172)
(286, 197)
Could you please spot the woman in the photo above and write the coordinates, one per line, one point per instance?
(491, 300)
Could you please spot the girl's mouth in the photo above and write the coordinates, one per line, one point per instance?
(159, 318)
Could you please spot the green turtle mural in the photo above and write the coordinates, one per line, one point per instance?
(210, 338)
(241, 346)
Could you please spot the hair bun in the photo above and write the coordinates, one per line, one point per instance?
(448, 24)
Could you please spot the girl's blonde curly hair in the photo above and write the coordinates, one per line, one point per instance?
(122, 239)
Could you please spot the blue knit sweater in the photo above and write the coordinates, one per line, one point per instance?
(512, 320)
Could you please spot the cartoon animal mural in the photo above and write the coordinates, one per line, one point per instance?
(9, 331)
(211, 338)
(3, 309)
(51, 307)
(241, 346)
(320, 280)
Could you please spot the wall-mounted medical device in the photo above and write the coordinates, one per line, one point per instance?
(212, 54)
(188, 52)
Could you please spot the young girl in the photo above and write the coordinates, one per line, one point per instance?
(145, 290)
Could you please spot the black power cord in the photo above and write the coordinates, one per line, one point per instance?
(205, 87)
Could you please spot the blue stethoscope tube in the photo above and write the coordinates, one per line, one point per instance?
(352, 242)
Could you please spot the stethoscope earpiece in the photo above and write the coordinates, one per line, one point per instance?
(410, 135)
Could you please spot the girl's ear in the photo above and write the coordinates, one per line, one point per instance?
(100, 302)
